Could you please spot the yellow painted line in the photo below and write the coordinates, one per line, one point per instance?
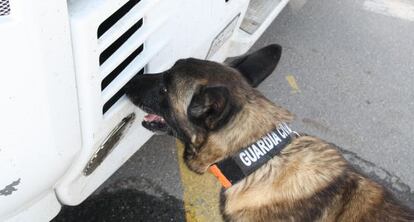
(293, 84)
(201, 193)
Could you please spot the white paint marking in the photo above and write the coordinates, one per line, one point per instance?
(403, 9)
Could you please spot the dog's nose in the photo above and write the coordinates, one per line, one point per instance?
(129, 87)
(142, 84)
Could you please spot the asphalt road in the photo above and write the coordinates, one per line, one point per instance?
(347, 72)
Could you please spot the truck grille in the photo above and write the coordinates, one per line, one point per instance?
(115, 49)
(112, 41)
(4, 7)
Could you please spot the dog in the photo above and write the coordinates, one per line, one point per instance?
(269, 172)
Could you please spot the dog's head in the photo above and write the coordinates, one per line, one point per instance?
(197, 97)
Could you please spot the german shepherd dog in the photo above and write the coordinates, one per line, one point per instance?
(215, 111)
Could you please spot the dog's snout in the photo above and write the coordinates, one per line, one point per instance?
(143, 91)
(136, 86)
(128, 88)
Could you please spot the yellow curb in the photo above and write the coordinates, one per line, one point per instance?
(201, 193)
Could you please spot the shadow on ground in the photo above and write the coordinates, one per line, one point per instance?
(123, 206)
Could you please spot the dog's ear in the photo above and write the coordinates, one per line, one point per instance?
(210, 107)
(256, 66)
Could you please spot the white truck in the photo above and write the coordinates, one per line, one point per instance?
(65, 124)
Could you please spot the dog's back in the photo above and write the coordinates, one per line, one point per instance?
(310, 181)
(365, 200)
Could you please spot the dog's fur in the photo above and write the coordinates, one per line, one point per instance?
(215, 110)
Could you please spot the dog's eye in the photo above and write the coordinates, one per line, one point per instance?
(163, 90)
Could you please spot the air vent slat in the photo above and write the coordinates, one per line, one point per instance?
(118, 43)
(117, 55)
(116, 97)
(113, 100)
(4, 7)
(111, 20)
(109, 78)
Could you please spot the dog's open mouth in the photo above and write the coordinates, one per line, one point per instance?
(155, 123)
(153, 118)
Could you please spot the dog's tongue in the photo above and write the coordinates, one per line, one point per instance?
(152, 118)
